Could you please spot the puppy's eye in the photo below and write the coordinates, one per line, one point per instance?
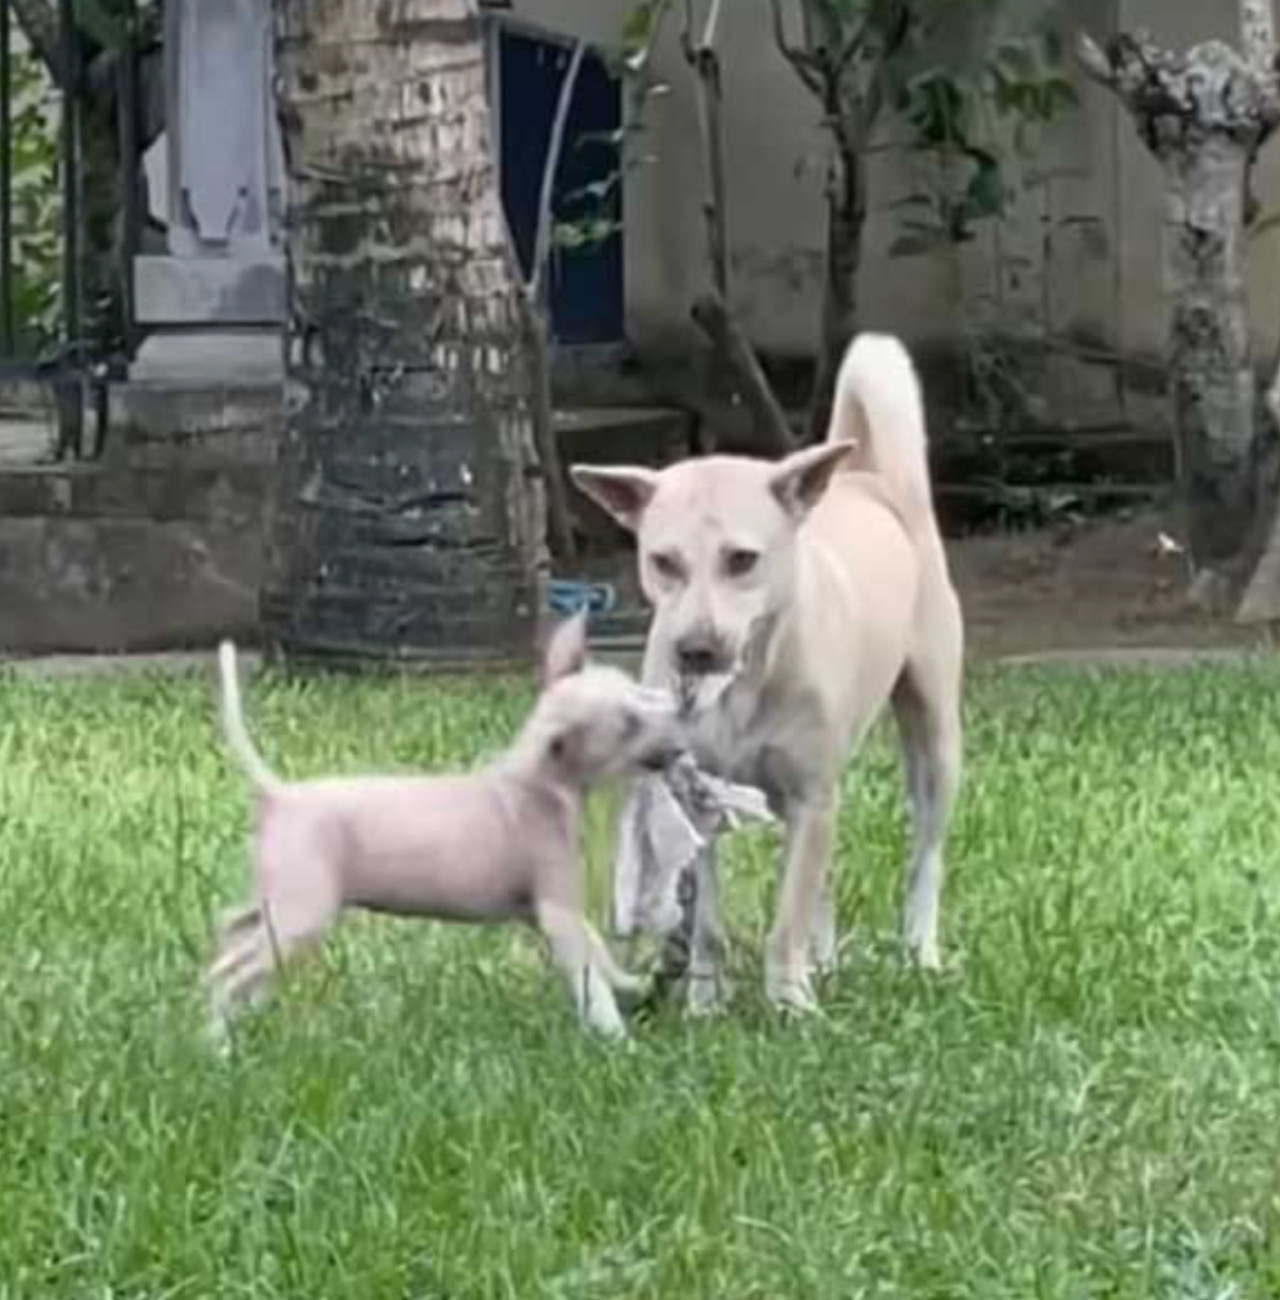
(739, 561)
(667, 566)
(630, 726)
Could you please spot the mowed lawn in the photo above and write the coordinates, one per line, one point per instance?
(1087, 1104)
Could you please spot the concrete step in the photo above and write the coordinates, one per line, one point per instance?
(26, 440)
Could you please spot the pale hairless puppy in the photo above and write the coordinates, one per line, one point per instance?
(501, 844)
(792, 602)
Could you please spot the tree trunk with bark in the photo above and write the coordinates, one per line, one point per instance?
(846, 219)
(1261, 599)
(410, 517)
(1204, 116)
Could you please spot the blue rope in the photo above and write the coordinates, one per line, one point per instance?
(566, 598)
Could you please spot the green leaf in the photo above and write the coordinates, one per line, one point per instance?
(1064, 91)
(104, 27)
(637, 25)
(1016, 60)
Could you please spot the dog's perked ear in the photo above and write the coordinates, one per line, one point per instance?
(566, 651)
(623, 492)
(801, 479)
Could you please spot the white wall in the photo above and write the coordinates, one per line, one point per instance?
(1104, 274)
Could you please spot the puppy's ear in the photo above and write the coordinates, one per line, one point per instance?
(801, 479)
(624, 493)
(566, 651)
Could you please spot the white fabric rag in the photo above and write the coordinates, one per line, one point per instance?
(668, 820)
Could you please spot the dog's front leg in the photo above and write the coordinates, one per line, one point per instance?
(707, 988)
(572, 951)
(810, 828)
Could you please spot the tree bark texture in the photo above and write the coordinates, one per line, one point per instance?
(712, 312)
(410, 519)
(771, 433)
(846, 219)
(842, 61)
(1204, 115)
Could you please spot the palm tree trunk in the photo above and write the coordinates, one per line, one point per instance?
(410, 517)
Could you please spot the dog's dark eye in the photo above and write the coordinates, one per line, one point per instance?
(630, 726)
(739, 561)
(667, 566)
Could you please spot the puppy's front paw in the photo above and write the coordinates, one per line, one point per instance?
(790, 991)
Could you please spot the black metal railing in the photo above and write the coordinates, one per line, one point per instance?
(90, 65)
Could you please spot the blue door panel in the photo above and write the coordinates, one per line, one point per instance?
(586, 288)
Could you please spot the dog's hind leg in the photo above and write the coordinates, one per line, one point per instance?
(253, 948)
(926, 704)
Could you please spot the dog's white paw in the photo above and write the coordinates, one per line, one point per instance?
(605, 1019)
(791, 992)
(922, 951)
(217, 1036)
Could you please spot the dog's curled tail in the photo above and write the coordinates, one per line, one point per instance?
(878, 405)
(262, 777)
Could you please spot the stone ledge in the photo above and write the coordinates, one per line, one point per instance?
(116, 585)
(232, 495)
(160, 423)
(208, 291)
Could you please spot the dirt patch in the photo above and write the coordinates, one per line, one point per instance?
(1100, 592)
(1106, 584)
(1094, 587)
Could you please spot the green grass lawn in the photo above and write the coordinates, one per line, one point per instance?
(1087, 1104)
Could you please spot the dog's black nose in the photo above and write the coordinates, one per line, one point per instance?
(697, 655)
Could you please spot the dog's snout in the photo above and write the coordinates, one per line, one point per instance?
(698, 655)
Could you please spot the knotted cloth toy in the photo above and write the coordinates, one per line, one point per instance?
(668, 820)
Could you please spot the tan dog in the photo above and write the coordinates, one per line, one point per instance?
(791, 602)
(497, 845)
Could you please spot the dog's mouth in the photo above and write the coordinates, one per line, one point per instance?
(700, 693)
(661, 758)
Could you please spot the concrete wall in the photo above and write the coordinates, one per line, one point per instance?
(1101, 279)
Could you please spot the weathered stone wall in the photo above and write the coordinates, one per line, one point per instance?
(158, 544)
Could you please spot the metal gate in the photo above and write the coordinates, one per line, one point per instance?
(68, 87)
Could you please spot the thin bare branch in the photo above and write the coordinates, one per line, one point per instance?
(711, 30)
(854, 43)
(804, 64)
(638, 63)
(537, 323)
(711, 315)
(555, 145)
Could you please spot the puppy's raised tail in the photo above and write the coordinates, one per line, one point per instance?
(878, 404)
(263, 779)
